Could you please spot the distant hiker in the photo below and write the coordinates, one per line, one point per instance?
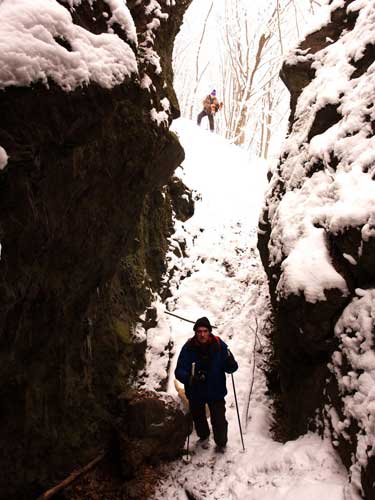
(210, 106)
(201, 367)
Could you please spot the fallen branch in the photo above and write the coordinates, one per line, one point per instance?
(184, 319)
(72, 477)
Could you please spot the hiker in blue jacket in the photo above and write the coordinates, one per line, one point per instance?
(201, 367)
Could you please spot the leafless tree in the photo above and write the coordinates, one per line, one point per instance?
(198, 72)
(251, 68)
(245, 66)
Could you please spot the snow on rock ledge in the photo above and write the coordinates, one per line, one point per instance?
(329, 156)
(353, 365)
(317, 230)
(39, 40)
(44, 41)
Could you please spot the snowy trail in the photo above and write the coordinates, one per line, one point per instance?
(222, 279)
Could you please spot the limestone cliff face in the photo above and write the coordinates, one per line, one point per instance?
(316, 239)
(85, 212)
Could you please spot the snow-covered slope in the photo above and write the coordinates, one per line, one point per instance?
(221, 277)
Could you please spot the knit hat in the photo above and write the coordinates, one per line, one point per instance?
(213, 92)
(202, 322)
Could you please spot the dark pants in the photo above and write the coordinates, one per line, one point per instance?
(210, 117)
(218, 421)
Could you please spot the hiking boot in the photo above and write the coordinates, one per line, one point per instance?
(204, 443)
(220, 449)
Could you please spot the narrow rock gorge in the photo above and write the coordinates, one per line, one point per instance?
(86, 201)
(317, 241)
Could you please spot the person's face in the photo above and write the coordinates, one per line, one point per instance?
(203, 334)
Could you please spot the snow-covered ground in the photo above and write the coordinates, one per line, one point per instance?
(222, 278)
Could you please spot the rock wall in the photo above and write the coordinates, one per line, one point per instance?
(316, 239)
(85, 213)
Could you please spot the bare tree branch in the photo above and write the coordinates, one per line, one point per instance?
(279, 27)
(197, 77)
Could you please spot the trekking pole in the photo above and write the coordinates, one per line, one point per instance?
(187, 443)
(189, 422)
(187, 457)
(238, 413)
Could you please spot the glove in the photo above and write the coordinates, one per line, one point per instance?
(201, 376)
(231, 363)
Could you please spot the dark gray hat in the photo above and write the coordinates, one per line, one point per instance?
(202, 322)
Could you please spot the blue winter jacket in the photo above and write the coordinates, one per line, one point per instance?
(213, 360)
